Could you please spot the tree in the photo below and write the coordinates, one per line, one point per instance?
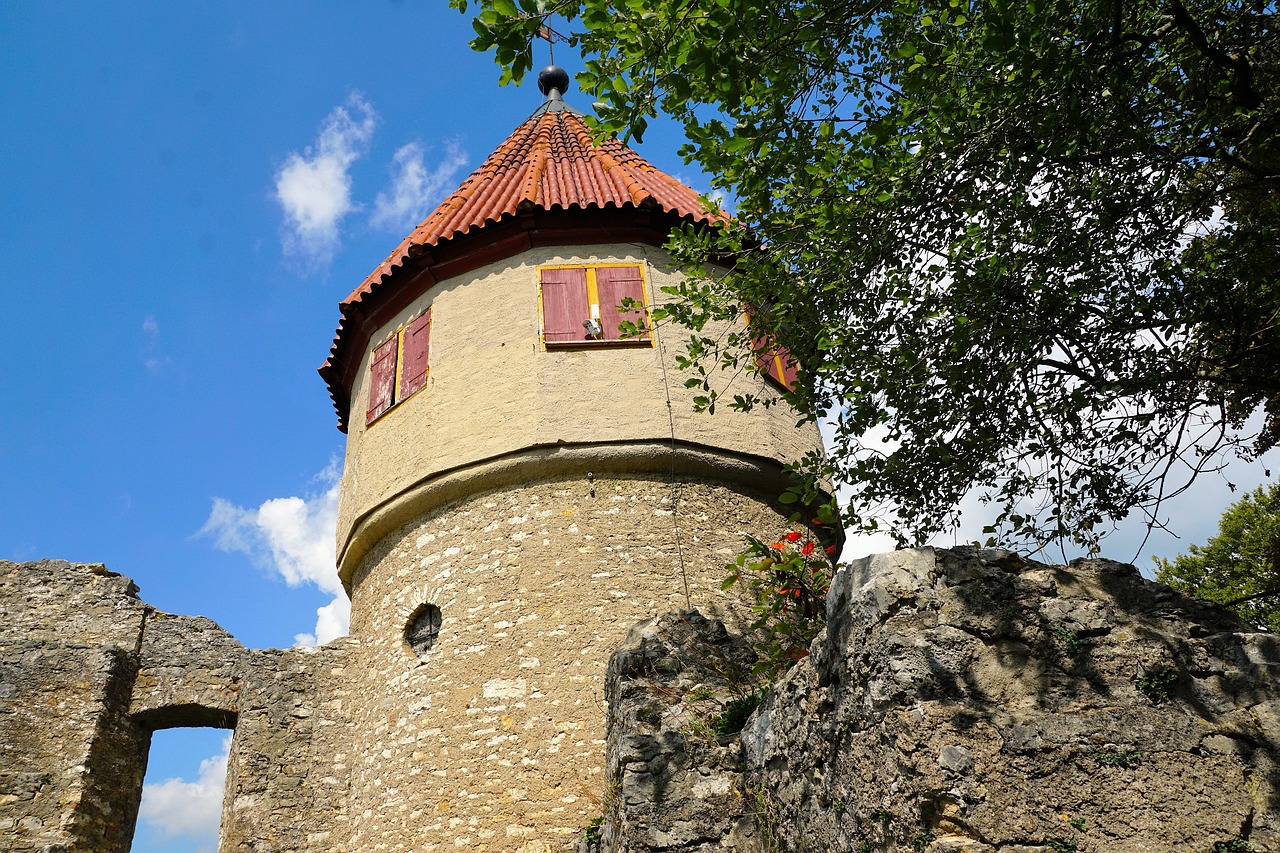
(1240, 567)
(1023, 249)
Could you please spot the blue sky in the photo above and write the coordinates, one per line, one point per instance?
(189, 190)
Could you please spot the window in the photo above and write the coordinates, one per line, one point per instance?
(580, 305)
(423, 629)
(773, 359)
(399, 366)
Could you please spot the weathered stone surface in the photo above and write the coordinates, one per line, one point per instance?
(288, 772)
(958, 701)
(190, 673)
(673, 784)
(71, 758)
(71, 762)
(967, 701)
(87, 672)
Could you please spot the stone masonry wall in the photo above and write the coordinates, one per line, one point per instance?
(288, 773)
(71, 758)
(87, 671)
(494, 739)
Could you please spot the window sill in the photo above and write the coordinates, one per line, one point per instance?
(588, 343)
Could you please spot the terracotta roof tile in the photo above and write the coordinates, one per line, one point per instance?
(551, 162)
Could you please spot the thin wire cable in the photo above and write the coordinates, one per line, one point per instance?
(671, 424)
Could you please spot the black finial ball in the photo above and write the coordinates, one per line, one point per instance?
(553, 77)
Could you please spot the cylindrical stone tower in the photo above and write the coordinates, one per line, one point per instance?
(525, 480)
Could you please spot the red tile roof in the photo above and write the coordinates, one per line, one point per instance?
(548, 183)
(550, 162)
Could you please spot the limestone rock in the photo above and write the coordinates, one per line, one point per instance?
(968, 701)
(676, 785)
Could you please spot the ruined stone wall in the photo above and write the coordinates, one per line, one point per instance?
(288, 775)
(71, 758)
(493, 739)
(966, 701)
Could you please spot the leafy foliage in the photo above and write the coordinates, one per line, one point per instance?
(1157, 683)
(1115, 758)
(1027, 245)
(736, 712)
(1235, 845)
(788, 580)
(1240, 567)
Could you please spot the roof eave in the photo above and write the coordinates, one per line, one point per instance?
(419, 268)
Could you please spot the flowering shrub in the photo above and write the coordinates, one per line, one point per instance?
(788, 580)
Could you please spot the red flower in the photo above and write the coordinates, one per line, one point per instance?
(778, 546)
(807, 549)
(793, 536)
(831, 549)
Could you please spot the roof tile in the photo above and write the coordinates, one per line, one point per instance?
(550, 161)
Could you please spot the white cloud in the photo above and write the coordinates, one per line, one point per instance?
(415, 188)
(314, 187)
(193, 810)
(332, 621)
(152, 359)
(294, 537)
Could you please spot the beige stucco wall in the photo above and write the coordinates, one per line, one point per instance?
(494, 390)
(494, 742)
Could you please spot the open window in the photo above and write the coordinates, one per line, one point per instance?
(399, 366)
(584, 305)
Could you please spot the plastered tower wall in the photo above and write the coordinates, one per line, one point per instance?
(500, 408)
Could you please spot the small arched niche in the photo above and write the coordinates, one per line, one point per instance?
(423, 630)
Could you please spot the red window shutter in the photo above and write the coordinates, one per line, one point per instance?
(787, 368)
(762, 349)
(417, 340)
(614, 284)
(773, 359)
(564, 304)
(382, 380)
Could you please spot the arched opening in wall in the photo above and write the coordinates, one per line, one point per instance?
(423, 629)
(182, 792)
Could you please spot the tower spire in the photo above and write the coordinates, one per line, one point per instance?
(553, 81)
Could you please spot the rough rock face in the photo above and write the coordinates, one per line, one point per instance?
(675, 785)
(972, 701)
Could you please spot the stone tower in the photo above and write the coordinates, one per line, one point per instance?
(523, 482)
